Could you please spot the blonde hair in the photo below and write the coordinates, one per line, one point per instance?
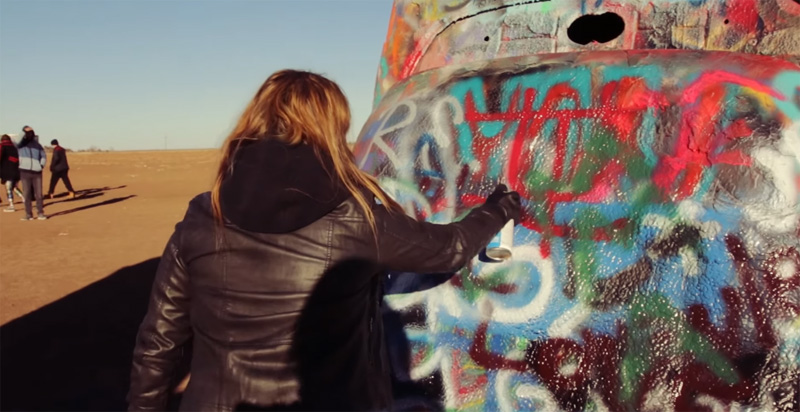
(299, 107)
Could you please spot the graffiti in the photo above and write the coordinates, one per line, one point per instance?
(657, 264)
(434, 34)
(699, 361)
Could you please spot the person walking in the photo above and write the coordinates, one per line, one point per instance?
(59, 170)
(9, 170)
(32, 159)
(289, 214)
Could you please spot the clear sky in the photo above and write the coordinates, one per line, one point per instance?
(125, 74)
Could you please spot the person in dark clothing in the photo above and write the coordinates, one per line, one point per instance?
(9, 170)
(59, 170)
(285, 252)
(32, 159)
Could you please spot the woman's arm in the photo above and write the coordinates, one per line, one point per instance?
(405, 244)
(162, 333)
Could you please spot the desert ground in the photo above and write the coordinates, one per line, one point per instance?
(125, 211)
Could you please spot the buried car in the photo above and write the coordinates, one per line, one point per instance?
(656, 146)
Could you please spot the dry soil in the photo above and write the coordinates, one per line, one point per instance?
(127, 206)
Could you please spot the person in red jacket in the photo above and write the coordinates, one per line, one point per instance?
(9, 170)
(59, 170)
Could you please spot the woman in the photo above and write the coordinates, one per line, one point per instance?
(9, 170)
(288, 212)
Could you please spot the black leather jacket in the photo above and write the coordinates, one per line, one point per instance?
(243, 297)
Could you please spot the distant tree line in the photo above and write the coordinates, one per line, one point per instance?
(91, 149)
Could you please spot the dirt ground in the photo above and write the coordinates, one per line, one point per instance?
(125, 211)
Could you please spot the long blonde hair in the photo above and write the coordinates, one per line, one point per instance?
(302, 107)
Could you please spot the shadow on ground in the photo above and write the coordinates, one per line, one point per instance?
(75, 354)
(93, 205)
(83, 194)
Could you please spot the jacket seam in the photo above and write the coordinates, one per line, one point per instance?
(223, 307)
(329, 251)
(401, 238)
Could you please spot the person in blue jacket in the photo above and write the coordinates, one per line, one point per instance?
(32, 160)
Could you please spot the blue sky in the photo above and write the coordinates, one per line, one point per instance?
(124, 74)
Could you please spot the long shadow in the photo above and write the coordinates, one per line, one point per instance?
(84, 194)
(75, 354)
(93, 205)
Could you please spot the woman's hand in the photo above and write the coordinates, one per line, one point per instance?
(508, 201)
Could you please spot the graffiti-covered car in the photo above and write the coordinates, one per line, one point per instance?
(656, 145)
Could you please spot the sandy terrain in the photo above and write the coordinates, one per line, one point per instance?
(127, 206)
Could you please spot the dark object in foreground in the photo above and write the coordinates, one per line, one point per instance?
(75, 353)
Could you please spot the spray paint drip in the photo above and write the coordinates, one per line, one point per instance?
(499, 248)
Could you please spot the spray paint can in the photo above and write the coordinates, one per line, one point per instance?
(499, 248)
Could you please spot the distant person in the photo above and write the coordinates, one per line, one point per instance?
(59, 170)
(290, 208)
(32, 160)
(9, 170)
